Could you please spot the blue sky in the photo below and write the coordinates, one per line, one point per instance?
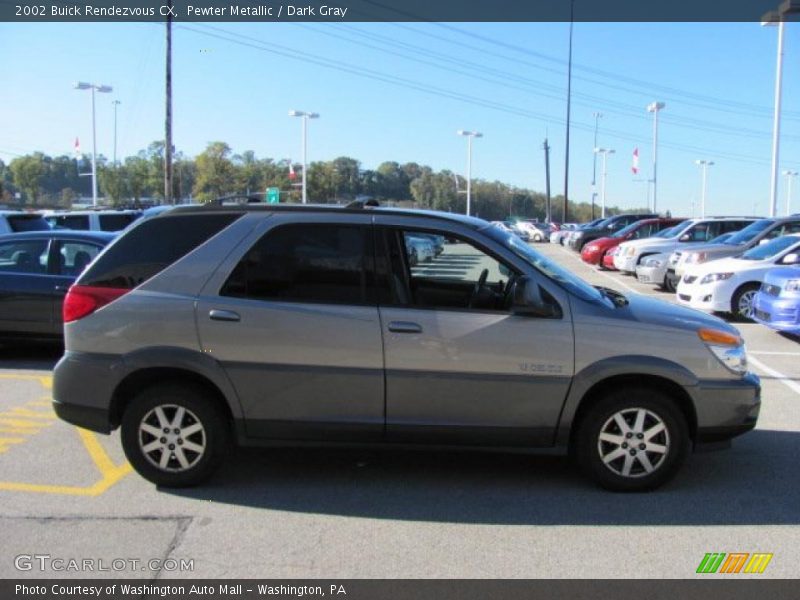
(400, 91)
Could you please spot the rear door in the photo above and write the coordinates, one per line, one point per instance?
(295, 325)
(460, 367)
(26, 288)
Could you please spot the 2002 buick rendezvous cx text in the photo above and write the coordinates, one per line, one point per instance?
(208, 326)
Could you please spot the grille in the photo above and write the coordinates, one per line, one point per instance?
(685, 297)
(689, 279)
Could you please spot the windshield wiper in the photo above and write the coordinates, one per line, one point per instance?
(616, 297)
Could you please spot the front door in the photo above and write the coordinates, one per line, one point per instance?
(460, 366)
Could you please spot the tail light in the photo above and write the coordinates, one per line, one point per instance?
(83, 300)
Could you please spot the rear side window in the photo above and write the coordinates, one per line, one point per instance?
(19, 223)
(77, 222)
(151, 247)
(116, 222)
(329, 264)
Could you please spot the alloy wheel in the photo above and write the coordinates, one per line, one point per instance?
(172, 438)
(633, 442)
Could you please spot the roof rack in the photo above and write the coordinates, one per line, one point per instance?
(240, 199)
(360, 204)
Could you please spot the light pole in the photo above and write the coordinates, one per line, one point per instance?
(605, 152)
(789, 176)
(116, 103)
(703, 164)
(654, 107)
(104, 89)
(774, 19)
(469, 135)
(597, 116)
(305, 116)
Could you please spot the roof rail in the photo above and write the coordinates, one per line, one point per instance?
(358, 204)
(240, 199)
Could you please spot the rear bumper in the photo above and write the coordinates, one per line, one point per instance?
(726, 409)
(83, 385)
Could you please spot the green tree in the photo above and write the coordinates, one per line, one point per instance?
(113, 183)
(26, 173)
(215, 172)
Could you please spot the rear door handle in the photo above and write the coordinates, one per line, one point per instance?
(223, 315)
(61, 288)
(405, 327)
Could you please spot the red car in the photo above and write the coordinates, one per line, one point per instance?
(594, 252)
(608, 259)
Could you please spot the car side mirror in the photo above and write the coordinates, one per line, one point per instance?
(791, 259)
(685, 237)
(531, 300)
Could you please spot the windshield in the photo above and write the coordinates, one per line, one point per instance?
(721, 238)
(626, 230)
(679, 229)
(749, 232)
(772, 248)
(541, 263)
(665, 233)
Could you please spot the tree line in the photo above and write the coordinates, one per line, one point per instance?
(40, 181)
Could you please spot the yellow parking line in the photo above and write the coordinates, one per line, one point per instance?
(99, 456)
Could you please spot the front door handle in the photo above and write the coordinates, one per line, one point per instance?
(223, 315)
(405, 327)
(61, 288)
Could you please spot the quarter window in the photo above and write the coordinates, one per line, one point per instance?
(330, 264)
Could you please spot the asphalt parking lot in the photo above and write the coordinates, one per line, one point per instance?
(69, 494)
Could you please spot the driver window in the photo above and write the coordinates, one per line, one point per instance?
(450, 273)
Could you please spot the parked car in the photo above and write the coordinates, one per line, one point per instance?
(92, 220)
(594, 251)
(758, 232)
(15, 221)
(777, 303)
(693, 231)
(36, 268)
(604, 229)
(730, 284)
(564, 229)
(276, 324)
(420, 249)
(565, 241)
(654, 268)
(540, 231)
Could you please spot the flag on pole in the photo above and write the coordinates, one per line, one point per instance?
(77, 148)
(635, 163)
(292, 174)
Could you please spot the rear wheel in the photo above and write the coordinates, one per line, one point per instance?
(668, 285)
(632, 440)
(175, 435)
(743, 302)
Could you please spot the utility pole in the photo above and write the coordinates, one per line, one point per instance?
(703, 164)
(597, 116)
(548, 209)
(116, 103)
(789, 176)
(168, 122)
(569, 103)
(654, 107)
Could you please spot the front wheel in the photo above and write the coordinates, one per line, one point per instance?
(743, 302)
(175, 435)
(632, 440)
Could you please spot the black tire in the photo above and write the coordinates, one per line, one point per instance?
(748, 290)
(199, 406)
(668, 285)
(659, 408)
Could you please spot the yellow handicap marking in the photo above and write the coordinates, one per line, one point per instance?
(23, 421)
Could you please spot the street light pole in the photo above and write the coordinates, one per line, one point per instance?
(789, 176)
(776, 117)
(305, 116)
(703, 164)
(654, 107)
(605, 152)
(104, 89)
(597, 116)
(469, 135)
(116, 103)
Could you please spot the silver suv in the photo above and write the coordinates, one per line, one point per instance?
(257, 325)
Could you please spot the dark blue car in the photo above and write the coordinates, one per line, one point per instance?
(36, 269)
(777, 304)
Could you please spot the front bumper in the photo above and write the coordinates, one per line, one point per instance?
(726, 408)
(592, 257)
(626, 264)
(654, 275)
(776, 313)
(713, 297)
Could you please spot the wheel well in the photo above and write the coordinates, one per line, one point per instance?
(138, 380)
(661, 384)
(644, 255)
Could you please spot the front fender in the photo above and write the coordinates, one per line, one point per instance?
(616, 366)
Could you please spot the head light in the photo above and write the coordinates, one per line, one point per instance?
(727, 348)
(631, 251)
(792, 285)
(711, 277)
